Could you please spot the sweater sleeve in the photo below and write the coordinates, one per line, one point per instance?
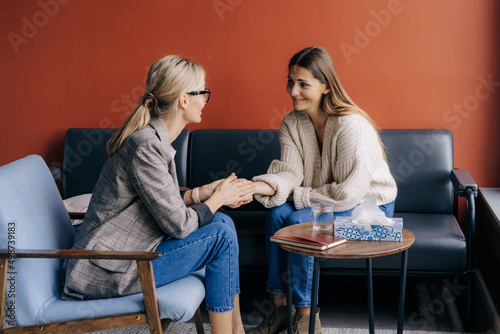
(357, 152)
(285, 174)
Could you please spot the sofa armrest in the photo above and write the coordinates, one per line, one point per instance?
(466, 187)
(462, 180)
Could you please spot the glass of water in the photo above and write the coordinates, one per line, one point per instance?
(322, 216)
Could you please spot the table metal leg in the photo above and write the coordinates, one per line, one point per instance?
(314, 295)
(371, 313)
(288, 283)
(402, 291)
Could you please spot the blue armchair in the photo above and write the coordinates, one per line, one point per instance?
(35, 236)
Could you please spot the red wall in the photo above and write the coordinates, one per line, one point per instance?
(410, 64)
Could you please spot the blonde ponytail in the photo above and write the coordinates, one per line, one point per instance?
(168, 78)
(139, 119)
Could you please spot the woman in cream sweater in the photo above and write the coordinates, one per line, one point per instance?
(331, 152)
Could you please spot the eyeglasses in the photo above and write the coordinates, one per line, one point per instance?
(205, 93)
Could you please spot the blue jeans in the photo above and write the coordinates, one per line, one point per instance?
(301, 267)
(213, 247)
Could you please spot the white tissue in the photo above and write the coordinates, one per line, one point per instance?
(368, 212)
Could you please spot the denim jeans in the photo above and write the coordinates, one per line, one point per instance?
(301, 266)
(213, 247)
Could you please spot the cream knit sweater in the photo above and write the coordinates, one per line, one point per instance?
(350, 168)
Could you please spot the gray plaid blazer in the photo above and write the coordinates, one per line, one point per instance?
(135, 205)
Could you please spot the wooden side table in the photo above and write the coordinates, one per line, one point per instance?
(352, 249)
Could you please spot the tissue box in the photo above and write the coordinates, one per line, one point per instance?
(345, 228)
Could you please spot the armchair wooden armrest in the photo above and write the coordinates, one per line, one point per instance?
(144, 268)
(79, 254)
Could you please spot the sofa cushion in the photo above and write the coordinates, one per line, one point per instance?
(215, 154)
(421, 161)
(77, 204)
(85, 154)
(439, 247)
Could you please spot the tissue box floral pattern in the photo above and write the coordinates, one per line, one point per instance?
(345, 228)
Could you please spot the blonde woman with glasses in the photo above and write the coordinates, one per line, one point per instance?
(137, 204)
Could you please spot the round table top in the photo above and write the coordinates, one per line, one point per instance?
(352, 249)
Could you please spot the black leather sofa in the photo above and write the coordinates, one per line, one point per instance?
(421, 161)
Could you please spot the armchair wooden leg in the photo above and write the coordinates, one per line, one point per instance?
(198, 321)
(165, 323)
(157, 325)
(146, 276)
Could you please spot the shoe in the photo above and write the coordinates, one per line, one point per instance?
(300, 324)
(274, 323)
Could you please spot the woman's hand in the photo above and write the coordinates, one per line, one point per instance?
(232, 192)
(237, 205)
(208, 189)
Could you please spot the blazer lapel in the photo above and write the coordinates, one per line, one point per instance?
(169, 152)
(161, 130)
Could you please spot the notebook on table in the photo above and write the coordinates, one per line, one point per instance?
(308, 239)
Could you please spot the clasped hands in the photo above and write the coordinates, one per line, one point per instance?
(233, 191)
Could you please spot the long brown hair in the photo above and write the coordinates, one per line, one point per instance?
(336, 102)
(168, 79)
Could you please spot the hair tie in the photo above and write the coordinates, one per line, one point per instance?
(152, 100)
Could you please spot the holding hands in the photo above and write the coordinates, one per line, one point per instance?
(236, 192)
(232, 192)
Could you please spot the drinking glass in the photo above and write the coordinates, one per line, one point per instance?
(322, 216)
